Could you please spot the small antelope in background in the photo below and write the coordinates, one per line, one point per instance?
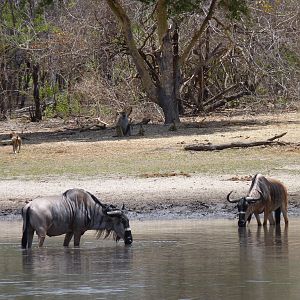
(16, 142)
(123, 126)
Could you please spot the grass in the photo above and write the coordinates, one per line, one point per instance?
(160, 153)
(140, 159)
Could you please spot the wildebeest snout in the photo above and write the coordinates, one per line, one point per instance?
(128, 237)
(241, 223)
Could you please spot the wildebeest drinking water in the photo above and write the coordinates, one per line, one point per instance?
(265, 196)
(72, 213)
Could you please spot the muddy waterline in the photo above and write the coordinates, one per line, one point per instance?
(184, 259)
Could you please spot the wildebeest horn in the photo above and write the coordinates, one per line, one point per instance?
(231, 201)
(114, 213)
(123, 206)
(251, 199)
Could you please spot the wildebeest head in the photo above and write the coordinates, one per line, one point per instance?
(118, 222)
(243, 205)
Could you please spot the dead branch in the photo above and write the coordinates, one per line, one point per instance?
(210, 147)
(220, 94)
(277, 136)
(227, 99)
(93, 127)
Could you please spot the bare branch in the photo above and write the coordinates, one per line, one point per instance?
(199, 33)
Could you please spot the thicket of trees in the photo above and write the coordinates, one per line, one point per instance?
(96, 56)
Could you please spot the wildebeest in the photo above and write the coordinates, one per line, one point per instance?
(265, 196)
(72, 213)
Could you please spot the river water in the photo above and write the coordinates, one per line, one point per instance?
(194, 259)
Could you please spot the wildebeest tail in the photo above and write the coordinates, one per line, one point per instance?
(277, 215)
(26, 223)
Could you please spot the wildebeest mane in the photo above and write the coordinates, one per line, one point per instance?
(260, 184)
(253, 182)
(95, 199)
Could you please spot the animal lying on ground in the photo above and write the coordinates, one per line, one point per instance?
(72, 213)
(16, 142)
(265, 196)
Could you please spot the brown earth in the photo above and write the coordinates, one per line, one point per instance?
(146, 192)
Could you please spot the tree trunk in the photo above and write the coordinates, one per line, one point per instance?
(168, 105)
(36, 94)
(162, 90)
(26, 85)
(176, 70)
(167, 91)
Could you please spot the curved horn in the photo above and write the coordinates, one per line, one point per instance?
(114, 213)
(232, 201)
(253, 200)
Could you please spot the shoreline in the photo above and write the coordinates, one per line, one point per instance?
(177, 197)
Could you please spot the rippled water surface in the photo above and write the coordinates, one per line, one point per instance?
(168, 260)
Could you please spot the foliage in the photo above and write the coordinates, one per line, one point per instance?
(235, 8)
(84, 64)
(63, 107)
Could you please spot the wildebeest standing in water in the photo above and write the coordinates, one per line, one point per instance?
(72, 213)
(265, 196)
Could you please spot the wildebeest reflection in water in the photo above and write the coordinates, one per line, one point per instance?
(64, 262)
(72, 213)
(267, 236)
(263, 256)
(265, 196)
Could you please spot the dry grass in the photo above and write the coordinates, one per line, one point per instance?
(159, 153)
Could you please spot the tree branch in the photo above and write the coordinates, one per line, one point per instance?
(199, 33)
(209, 147)
(143, 72)
(162, 19)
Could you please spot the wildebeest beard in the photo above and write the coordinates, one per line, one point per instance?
(106, 233)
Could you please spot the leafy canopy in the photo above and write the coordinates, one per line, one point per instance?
(234, 8)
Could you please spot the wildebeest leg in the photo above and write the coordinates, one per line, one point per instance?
(266, 216)
(68, 238)
(41, 232)
(277, 215)
(257, 219)
(41, 240)
(77, 236)
(271, 219)
(249, 218)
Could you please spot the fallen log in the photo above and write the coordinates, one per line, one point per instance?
(5, 142)
(211, 147)
(92, 127)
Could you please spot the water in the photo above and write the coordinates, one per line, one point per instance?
(209, 259)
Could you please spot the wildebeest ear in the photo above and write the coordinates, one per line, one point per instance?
(128, 110)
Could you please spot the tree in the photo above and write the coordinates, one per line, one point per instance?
(21, 28)
(160, 69)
